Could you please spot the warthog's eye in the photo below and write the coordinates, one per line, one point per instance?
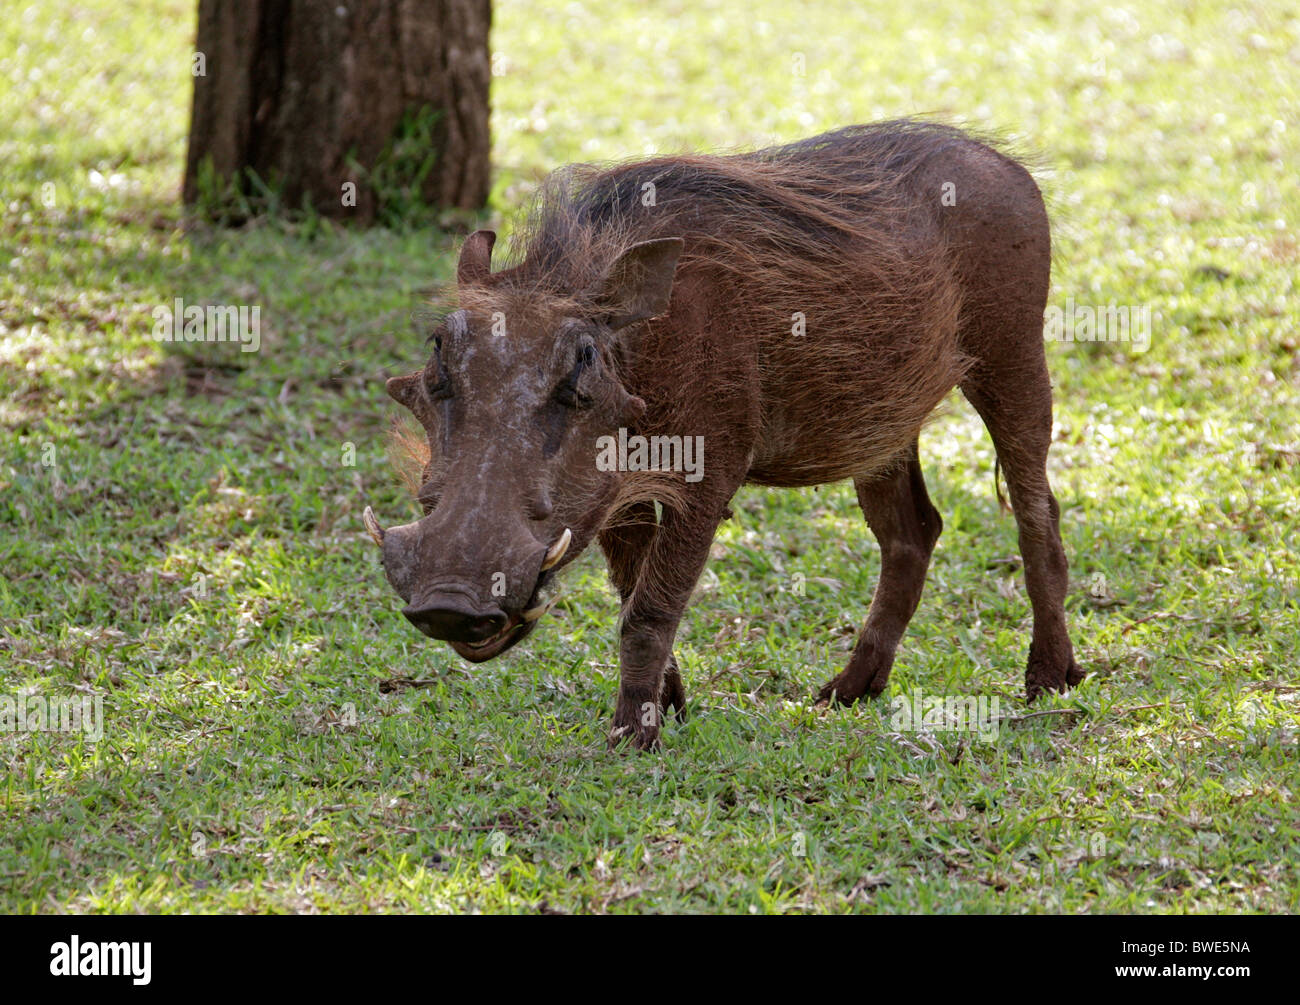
(567, 393)
(435, 377)
(438, 385)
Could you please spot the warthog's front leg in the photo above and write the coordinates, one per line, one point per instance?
(648, 681)
(907, 525)
(627, 546)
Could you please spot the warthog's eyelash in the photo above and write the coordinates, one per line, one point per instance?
(437, 328)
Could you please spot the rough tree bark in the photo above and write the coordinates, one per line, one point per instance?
(295, 89)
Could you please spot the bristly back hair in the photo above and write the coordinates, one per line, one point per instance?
(824, 227)
(803, 201)
(834, 229)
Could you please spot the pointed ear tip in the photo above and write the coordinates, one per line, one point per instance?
(657, 246)
(671, 245)
(475, 263)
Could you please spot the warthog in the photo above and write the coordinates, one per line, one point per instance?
(794, 314)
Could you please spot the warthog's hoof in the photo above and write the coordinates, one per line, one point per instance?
(1042, 676)
(864, 677)
(636, 723)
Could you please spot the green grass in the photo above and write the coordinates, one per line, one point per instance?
(181, 534)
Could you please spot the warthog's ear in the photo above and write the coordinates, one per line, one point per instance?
(475, 264)
(404, 390)
(639, 283)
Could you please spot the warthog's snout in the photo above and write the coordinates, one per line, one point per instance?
(453, 618)
(455, 610)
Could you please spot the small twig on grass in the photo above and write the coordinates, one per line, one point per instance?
(1046, 711)
(1133, 624)
(1080, 711)
(729, 668)
(477, 827)
(1151, 617)
(1270, 685)
(391, 684)
(1237, 619)
(1138, 708)
(1189, 659)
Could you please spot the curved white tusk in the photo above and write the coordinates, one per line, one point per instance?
(537, 612)
(372, 525)
(556, 551)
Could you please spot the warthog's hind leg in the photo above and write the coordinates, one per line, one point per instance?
(1016, 406)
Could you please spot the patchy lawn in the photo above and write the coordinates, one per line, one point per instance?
(181, 536)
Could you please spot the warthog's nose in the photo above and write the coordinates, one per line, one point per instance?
(450, 620)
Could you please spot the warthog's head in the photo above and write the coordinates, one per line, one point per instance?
(516, 393)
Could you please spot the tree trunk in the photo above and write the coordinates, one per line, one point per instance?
(388, 96)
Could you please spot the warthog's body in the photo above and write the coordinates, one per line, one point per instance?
(825, 297)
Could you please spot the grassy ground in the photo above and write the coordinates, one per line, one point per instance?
(181, 533)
